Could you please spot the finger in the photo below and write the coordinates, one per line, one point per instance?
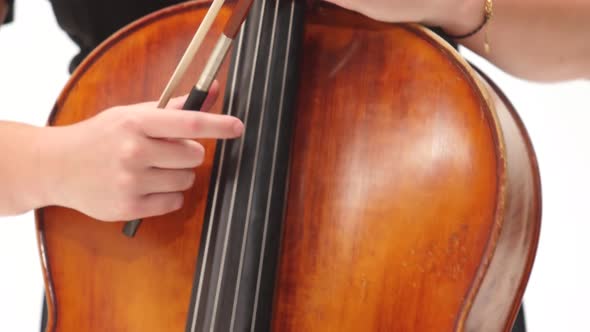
(159, 204)
(211, 97)
(189, 125)
(159, 181)
(174, 154)
(178, 102)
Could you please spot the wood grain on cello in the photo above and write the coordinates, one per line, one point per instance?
(382, 184)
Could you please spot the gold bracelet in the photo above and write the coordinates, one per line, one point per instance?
(488, 13)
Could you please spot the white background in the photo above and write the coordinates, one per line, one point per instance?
(34, 55)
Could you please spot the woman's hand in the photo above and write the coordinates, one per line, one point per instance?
(455, 16)
(130, 162)
(539, 40)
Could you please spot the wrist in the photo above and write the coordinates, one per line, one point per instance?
(51, 154)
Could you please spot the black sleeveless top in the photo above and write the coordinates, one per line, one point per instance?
(89, 22)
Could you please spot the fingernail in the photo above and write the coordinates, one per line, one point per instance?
(238, 128)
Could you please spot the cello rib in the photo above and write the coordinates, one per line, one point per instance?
(508, 266)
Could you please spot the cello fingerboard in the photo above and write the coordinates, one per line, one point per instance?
(234, 283)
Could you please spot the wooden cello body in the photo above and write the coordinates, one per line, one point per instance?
(382, 184)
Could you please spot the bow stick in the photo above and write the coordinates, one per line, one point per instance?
(200, 91)
(190, 52)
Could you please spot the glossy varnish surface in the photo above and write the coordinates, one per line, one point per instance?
(397, 189)
(102, 280)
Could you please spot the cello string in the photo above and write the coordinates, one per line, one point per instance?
(190, 52)
(253, 176)
(273, 168)
(217, 182)
(180, 71)
(233, 25)
(237, 173)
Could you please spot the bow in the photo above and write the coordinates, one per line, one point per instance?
(199, 92)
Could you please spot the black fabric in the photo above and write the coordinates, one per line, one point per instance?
(88, 23)
(520, 323)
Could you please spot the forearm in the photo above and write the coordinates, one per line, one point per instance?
(24, 169)
(541, 40)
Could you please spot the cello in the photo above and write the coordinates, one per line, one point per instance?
(382, 184)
